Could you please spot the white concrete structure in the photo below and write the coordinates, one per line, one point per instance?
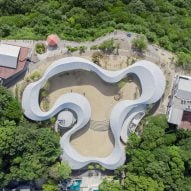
(179, 107)
(153, 85)
(9, 55)
(65, 119)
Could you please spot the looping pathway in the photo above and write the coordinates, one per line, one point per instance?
(153, 85)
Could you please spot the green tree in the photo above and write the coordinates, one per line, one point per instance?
(60, 171)
(107, 185)
(50, 187)
(137, 183)
(10, 108)
(96, 57)
(107, 46)
(5, 30)
(137, 6)
(40, 48)
(184, 60)
(26, 151)
(139, 43)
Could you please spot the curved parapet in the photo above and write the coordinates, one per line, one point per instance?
(152, 82)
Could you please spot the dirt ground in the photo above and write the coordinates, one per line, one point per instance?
(99, 93)
(91, 143)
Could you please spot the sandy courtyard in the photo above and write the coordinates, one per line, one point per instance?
(99, 93)
(90, 142)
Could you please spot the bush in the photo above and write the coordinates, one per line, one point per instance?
(40, 48)
(72, 49)
(139, 43)
(50, 187)
(10, 107)
(94, 47)
(33, 77)
(60, 171)
(107, 46)
(96, 56)
(184, 60)
(82, 49)
(91, 167)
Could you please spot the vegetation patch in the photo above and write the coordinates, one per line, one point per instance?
(40, 48)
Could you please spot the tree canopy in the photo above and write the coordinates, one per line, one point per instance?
(10, 108)
(140, 43)
(159, 159)
(60, 171)
(165, 22)
(27, 150)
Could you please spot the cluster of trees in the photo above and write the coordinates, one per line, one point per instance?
(28, 151)
(184, 60)
(139, 43)
(160, 159)
(107, 46)
(40, 48)
(165, 22)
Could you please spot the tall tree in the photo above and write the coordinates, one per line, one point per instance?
(26, 152)
(10, 108)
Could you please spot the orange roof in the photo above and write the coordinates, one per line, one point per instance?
(53, 40)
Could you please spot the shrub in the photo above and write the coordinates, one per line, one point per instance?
(72, 49)
(139, 43)
(96, 56)
(107, 46)
(82, 49)
(94, 47)
(34, 76)
(184, 60)
(91, 167)
(40, 48)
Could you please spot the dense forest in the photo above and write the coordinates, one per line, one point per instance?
(159, 160)
(165, 22)
(28, 151)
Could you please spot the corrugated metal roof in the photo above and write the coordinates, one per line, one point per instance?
(9, 55)
(175, 116)
(9, 50)
(184, 84)
(184, 95)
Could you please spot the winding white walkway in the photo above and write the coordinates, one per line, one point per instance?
(153, 84)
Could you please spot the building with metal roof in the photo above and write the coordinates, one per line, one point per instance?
(9, 55)
(13, 63)
(179, 107)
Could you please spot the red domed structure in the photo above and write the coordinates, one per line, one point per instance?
(53, 40)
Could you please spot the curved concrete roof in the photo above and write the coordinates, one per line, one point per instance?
(153, 84)
(65, 118)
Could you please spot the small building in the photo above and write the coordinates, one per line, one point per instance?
(13, 63)
(9, 55)
(179, 107)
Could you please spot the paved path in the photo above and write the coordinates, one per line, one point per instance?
(64, 43)
(154, 53)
